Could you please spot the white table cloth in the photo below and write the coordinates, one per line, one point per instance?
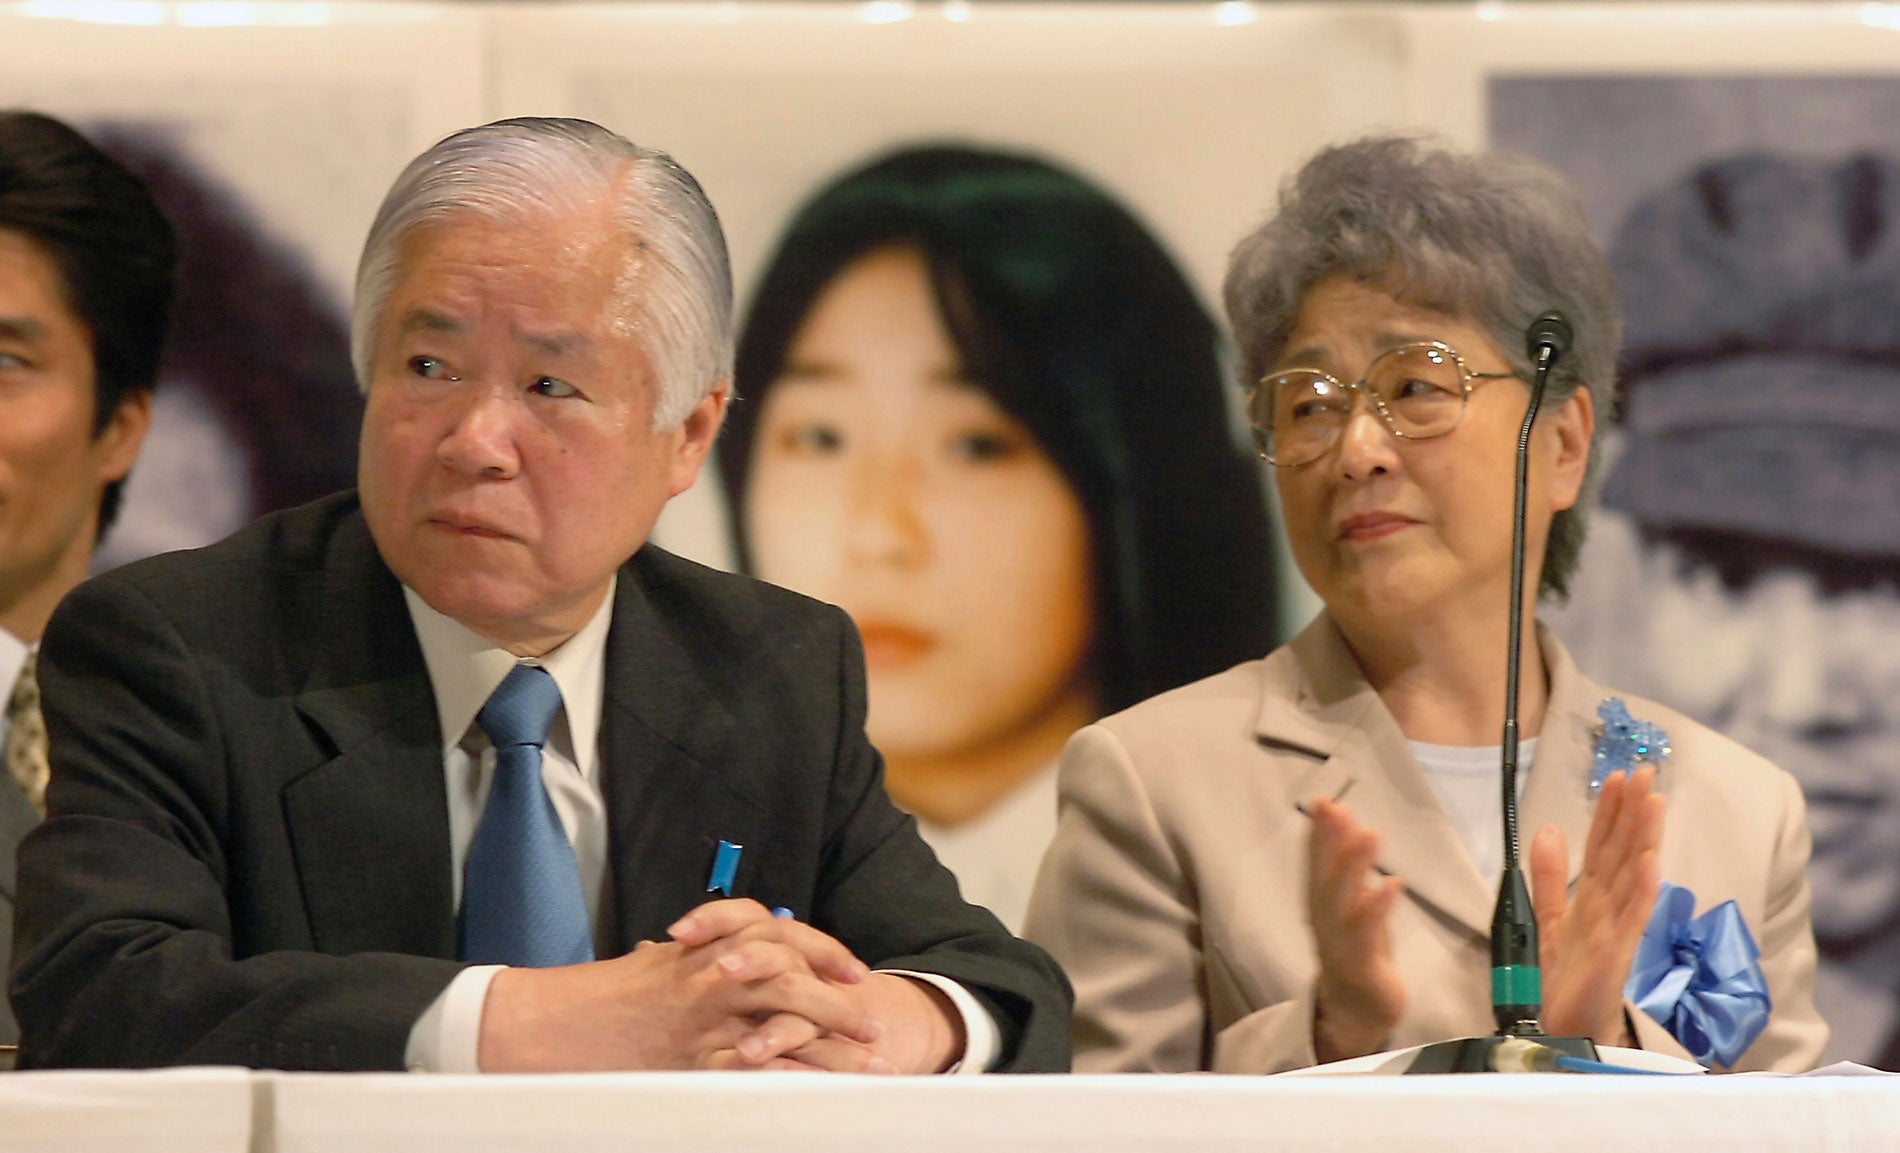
(793, 1113)
(170, 1111)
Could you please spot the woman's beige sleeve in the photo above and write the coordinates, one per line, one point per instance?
(1112, 907)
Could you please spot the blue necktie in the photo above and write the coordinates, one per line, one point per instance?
(521, 894)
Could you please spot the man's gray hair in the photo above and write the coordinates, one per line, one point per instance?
(516, 169)
(1486, 237)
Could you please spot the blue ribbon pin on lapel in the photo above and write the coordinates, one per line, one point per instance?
(725, 868)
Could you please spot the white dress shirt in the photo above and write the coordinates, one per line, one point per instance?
(13, 654)
(464, 670)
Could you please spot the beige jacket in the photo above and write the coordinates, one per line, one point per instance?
(1174, 892)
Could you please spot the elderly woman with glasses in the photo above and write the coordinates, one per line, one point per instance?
(1296, 861)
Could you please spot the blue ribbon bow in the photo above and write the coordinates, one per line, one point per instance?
(1700, 977)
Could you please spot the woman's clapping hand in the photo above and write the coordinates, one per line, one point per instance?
(1586, 939)
(1360, 993)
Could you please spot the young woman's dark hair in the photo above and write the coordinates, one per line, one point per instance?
(1067, 312)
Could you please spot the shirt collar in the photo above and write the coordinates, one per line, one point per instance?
(13, 653)
(465, 668)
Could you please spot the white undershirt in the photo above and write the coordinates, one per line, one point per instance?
(1470, 791)
(464, 670)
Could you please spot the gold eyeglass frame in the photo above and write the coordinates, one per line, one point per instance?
(1466, 379)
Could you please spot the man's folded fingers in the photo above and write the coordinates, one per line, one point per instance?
(828, 1007)
(717, 919)
(778, 1035)
(837, 1055)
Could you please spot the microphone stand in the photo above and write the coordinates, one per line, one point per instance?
(1516, 981)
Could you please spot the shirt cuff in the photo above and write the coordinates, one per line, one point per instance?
(447, 1037)
(982, 1040)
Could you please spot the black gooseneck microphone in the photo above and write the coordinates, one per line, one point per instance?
(1516, 981)
(1516, 993)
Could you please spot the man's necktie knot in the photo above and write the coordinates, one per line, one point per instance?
(522, 709)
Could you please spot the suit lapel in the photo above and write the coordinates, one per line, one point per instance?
(668, 747)
(1558, 792)
(369, 827)
(1336, 715)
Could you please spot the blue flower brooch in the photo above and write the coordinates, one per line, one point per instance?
(1623, 743)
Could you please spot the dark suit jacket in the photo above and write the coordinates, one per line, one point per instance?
(247, 854)
(16, 818)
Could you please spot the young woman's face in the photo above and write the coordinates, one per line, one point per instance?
(885, 482)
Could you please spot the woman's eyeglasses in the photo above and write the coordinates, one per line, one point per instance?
(1419, 391)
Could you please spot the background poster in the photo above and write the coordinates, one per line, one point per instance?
(1745, 567)
(1186, 114)
(268, 134)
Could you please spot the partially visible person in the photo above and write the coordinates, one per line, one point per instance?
(86, 263)
(373, 783)
(1296, 861)
(1748, 572)
(984, 412)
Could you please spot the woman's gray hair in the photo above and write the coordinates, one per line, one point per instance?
(1490, 238)
(515, 169)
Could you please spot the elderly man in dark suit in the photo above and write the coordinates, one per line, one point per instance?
(86, 264)
(374, 782)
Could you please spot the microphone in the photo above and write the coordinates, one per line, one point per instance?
(1547, 339)
(1516, 980)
